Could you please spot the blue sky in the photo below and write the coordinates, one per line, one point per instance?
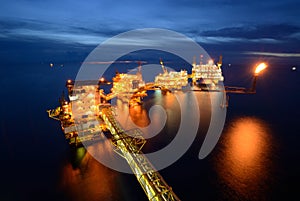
(250, 26)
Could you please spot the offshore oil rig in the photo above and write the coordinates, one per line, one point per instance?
(87, 116)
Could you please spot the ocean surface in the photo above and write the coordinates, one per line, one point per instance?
(256, 157)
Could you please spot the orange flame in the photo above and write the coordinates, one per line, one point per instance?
(260, 67)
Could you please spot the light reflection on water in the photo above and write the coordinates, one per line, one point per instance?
(157, 112)
(244, 161)
(87, 179)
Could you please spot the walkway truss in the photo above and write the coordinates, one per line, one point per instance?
(129, 144)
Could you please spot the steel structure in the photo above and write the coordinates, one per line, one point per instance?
(89, 103)
(129, 145)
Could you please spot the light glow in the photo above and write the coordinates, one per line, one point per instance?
(260, 67)
(244, 163)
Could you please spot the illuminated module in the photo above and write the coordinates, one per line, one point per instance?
(86, 97)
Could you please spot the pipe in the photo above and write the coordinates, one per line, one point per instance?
(253, 87)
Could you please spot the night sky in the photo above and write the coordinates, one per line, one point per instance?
(35, 33)
(230, 25)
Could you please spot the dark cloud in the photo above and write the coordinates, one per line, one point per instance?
(100, 30)
(23, 50)
(277, 32)
(30, 30)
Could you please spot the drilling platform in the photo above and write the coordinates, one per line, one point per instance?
(87, 116)
(94, 117)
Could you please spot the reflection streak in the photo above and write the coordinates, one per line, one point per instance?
(244, 159)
